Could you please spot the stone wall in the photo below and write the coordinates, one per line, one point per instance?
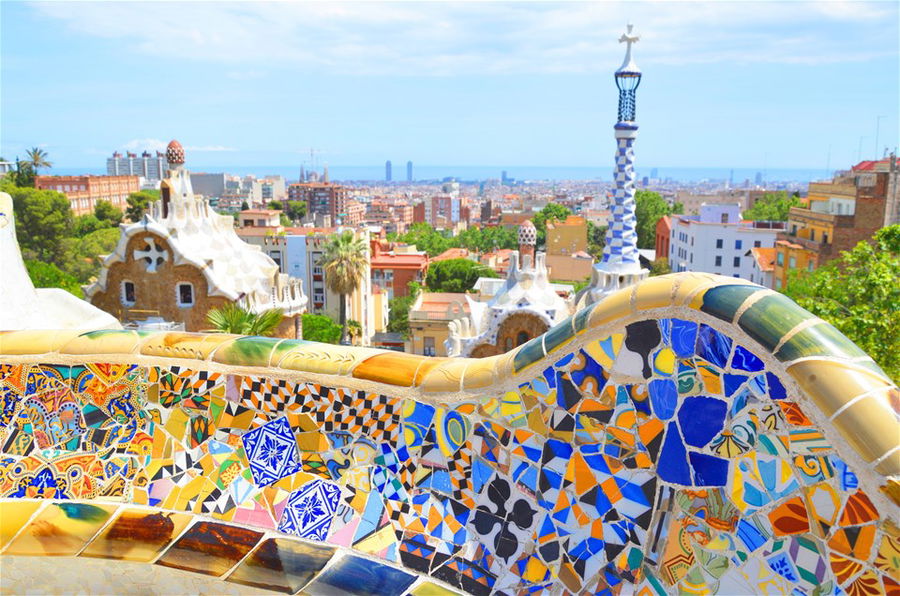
(691, 434)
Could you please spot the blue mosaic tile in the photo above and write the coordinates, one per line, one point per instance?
(701, 419)
(310, 509)
(744, 359)
(361, 577)
(672, 465)
(683, 338)
(708, 470)
(272, 451)
(663, 397)
(713, 346)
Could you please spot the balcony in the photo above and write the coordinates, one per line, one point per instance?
(803, 217)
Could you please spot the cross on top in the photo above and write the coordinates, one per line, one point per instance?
(629, 38)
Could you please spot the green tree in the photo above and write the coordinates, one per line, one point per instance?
(550, 212)
(344, 262)
(772, 206)
(486, 239)
(284, 220)
(244, 205)
(858, 293)
(660, 266)
(233, 318)
(398, 310)
(355, 329)
(277, 205)
(296, 210)
(320, 328)
(82, 257)
(47, 275)
(85, 224)
(43, 221)
(37, 159)
(426, 238)
(455, 275)
(23, 175)
(649, 208)
(139, 202)
(107, 213)
(596, 240)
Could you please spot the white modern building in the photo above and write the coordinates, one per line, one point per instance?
(150, 167)
(718, 241)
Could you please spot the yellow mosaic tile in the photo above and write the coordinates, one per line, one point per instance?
(612, 308)
(103, 342)
(431, 589)
(34, 342)
(61, 529)
(392, 368)
(832, 384)
(655, 292)
(184, 345)
(870, 426)
(325, 359)
(137, 535)
(479, 373)
(13, 516)
(445, 377)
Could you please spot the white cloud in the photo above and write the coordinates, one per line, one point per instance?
(484, 37)
(157, 145)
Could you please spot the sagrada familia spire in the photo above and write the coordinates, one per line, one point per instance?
(620, 266)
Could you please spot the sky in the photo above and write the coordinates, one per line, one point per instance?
(726, 84)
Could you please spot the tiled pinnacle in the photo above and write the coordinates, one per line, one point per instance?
(621, 235)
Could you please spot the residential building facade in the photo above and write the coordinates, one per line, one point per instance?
(395, 265)
(84, 192)
(717, 241)
(429, 320)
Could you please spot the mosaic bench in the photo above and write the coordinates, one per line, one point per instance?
(692, 434)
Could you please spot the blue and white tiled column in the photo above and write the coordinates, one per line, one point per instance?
(620, 251)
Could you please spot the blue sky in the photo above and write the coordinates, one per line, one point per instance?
(728, 84)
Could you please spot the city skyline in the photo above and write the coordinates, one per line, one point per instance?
(739, 85)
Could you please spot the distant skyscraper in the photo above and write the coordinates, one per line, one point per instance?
(759, 179)
(620, 266)
(654, 173)
(409, 177)
(503, 177)
(387, 171)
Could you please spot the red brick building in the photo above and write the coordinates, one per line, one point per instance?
(663, 236)
(83, 192)
(393, 267)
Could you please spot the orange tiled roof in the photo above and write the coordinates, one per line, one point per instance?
(765, 258)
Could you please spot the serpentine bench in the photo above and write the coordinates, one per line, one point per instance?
(691, 434)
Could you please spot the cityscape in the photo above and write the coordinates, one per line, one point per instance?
(333, 365)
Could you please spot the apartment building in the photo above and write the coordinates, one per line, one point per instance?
(83, 192)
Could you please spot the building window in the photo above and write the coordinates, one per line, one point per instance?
(810, 266)
(522, 338)
(738, 244)
(792, 262)
(428, 346)
(737, 261)
(824, 237)
(778, 283)
(718, 261)
(757, 243)
(724, 218)
(812, 235)
(128, 293)
(779, 258)
(719, 243)
(184, 293)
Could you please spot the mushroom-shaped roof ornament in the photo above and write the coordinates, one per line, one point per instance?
(175, 153)
(527, 233)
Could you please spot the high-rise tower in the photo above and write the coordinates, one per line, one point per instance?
(387, 171)
(409, 172)
(620, 266)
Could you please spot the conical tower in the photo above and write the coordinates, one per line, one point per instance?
(620, 266)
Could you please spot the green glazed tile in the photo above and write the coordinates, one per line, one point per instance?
(581, 318)
(247, 351)
(558, 335)
(821, 339)
(723, 301)
(529, 353)
(768, 319)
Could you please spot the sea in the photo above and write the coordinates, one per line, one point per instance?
(426, 173)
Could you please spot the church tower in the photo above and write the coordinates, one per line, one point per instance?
(620, 266)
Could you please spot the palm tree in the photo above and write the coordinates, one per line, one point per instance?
(344, 262)
(37, 158)
(232, 318)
